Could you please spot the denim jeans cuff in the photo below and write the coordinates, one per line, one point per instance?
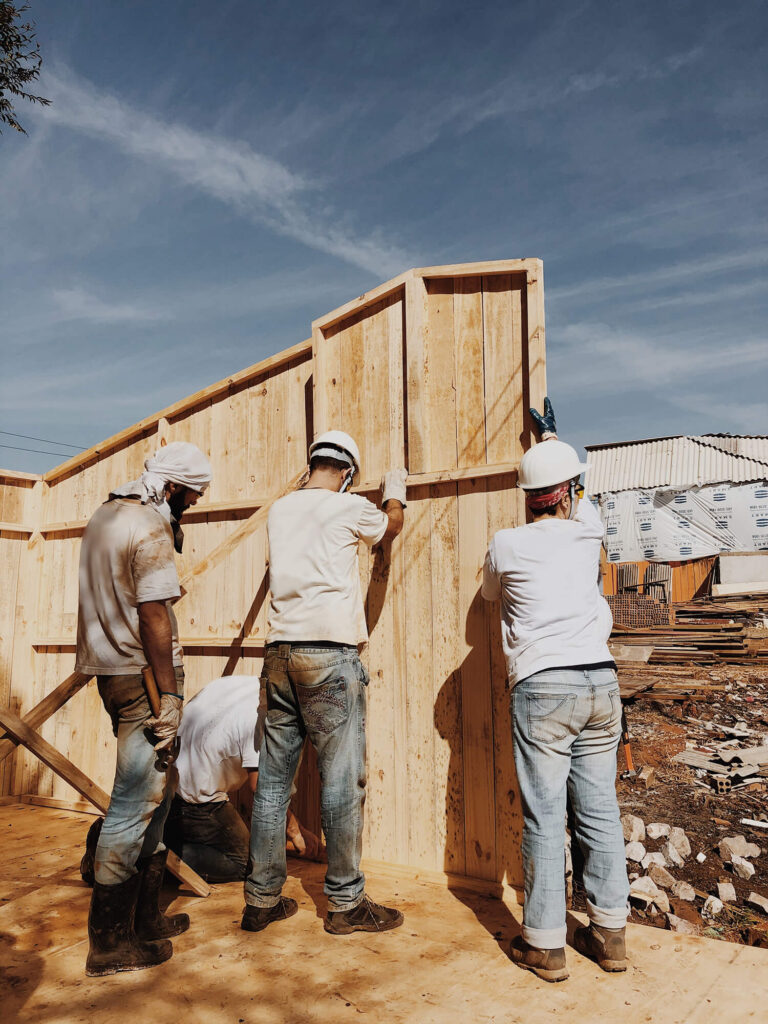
(615, 917)
(545, 938)
(346, 906)
(265, 902)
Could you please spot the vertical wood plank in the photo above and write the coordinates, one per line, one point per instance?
(470, 376)
(416, 343)
(440, 385)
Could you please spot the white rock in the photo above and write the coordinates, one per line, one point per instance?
(672, 855)
(679, 924)
(712, 907)
(701, 857)
(661, 903)
(644, 886)
(684, 891)
(634, 828)
(634, 851)
(737, 846)
(657, 830)
(755, 900)
(742, 867)
(654, 858)
(661, 876)
(679, 840)
(726, 892)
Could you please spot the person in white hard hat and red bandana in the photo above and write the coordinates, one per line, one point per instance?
(565, 705)
(128, 583)
(316, 684)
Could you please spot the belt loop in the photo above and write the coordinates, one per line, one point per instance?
(285, 651)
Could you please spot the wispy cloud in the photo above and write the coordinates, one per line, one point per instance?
(226, 169)
(80, 304)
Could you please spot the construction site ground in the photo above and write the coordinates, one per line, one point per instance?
(681, 796)
(448, 963)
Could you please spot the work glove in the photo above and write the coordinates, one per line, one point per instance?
(393, 486)
(545, 424)
(166, 724)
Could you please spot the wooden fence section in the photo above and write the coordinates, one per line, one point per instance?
(688, 579)
(434, 370)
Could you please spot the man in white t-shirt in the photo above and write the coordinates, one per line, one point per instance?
(219, 738)
(128, 583)
(315, 682)
(566, 710)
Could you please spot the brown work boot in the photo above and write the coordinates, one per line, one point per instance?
(606, 946)
(89, 857)
(367, 916)
(151, 922)
(256, 919)
(114, 945)
(547, 964)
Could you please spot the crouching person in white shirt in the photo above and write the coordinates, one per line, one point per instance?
(565, 705)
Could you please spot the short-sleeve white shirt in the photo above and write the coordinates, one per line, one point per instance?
(219, 738)
(314, 577)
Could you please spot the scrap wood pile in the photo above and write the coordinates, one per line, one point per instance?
(707, 631)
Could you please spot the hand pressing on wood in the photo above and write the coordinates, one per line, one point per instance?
(545, 424)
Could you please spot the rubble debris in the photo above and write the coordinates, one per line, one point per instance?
(712, 907)
(755, 900)
(634, 852)
(657, 858)
(634, 828)
(742, 867)
(701, 857)
(647, 776)
(678, 924)
(661, 876)
(726, 892)
(657, 830)
(738, 846)
(679, 840)
(753, 824)
(672, 855)
(684, 891)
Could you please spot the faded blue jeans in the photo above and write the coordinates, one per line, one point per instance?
(315, 690)
(141, 793)
(566, 725)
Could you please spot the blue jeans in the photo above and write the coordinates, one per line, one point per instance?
(566, 725)
(316, 691)
(211, 838)
(141, 795)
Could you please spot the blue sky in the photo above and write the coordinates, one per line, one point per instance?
(210, 177)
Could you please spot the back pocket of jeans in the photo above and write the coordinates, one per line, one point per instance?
(549, 715)
(325, 706)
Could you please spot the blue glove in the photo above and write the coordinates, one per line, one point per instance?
(545, 424)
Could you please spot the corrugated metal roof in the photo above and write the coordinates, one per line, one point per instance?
(676, 462)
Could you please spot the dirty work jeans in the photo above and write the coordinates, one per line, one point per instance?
(212, 838)
(141, 795)
(315, 690)
(566, 724)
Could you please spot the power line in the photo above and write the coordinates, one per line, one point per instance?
(45, 440)
(17, 448)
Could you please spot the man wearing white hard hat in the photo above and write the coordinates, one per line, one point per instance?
(316, 684)
(565, 705)
(128, 583)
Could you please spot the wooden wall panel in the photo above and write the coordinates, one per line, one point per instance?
(434, 370)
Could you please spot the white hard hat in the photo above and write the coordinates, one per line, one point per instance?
(547, 464)
(335, 444)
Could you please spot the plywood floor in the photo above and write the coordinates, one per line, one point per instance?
(446, 964)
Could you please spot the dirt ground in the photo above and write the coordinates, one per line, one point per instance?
(683, 796)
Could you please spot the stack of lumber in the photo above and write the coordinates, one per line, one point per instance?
(705, 632)
(638, 610)
(727, 770)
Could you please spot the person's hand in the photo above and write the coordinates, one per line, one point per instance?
(301, 841)
(393, 486)
(545, 424)
(166, 724)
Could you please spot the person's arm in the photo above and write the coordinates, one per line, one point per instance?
(393, 510)
(491, 589)
(157, 641)
(393, 501)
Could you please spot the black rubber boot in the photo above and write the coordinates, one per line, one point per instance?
(256, 919)
(151, 922)
(114, 944)
(606, 946)
(547, 964)
(89, 857)
(365, 917)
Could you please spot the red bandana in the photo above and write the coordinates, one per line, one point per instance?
(547, 500)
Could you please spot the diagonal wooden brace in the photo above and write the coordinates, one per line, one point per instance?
(50, 756)
(48, 705)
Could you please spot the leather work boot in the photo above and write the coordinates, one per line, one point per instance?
(255, 919)
(91, 842)
(367, 916)
(151, 922)
(607, 946)
(547, 964)
(114, 945)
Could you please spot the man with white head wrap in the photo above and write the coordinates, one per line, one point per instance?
(128, 582)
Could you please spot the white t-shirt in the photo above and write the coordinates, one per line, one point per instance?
(126, 558)
(219, 738)
(313, 571)
(546, 575)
